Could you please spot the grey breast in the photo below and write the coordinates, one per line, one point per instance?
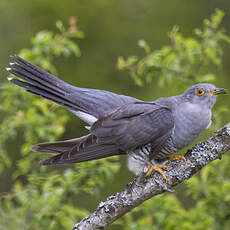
(190, 121)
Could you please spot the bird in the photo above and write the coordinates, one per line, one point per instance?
(149, 132)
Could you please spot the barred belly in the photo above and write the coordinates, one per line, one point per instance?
(167, 150)
(138, 159)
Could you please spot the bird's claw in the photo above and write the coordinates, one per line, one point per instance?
(176, 158)
(157, 169)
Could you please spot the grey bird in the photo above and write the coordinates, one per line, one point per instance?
(148, 131)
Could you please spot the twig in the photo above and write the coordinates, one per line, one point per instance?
(142, 188)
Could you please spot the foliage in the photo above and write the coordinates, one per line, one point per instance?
(186, 61)
(48, 198)
(43, 198)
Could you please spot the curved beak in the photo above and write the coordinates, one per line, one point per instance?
(218, 91)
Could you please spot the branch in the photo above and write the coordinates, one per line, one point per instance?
(143, 188)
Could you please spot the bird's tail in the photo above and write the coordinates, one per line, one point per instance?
(42, 83)
(75, 150)
(87, 104)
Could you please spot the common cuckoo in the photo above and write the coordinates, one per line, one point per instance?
(148, 131)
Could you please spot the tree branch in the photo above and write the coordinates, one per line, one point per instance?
(143, 188)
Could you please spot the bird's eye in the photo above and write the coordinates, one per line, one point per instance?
(199, 92)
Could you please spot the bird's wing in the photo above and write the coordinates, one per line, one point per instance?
(124, 129)
(88, 104)
(135, 125)
(76, 150)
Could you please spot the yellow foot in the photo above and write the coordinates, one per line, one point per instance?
(176, 158)
(157, 169)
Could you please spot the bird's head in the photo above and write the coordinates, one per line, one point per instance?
(203, 94)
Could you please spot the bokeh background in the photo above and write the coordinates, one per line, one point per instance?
(111, 29)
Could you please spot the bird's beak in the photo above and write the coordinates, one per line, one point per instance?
(217, 91)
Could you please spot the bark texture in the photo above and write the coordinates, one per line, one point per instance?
(143, 188)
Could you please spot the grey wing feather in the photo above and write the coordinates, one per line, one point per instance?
(126, 128)
(90, 101)
(135, 125)
(76, 150)
(58, 146)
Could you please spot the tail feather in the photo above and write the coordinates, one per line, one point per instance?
(93, 102)
(29, 77)
(43, 93)
(42, 76)
(42, 83)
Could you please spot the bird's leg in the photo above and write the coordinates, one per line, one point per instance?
(157, 168)
(175, 158)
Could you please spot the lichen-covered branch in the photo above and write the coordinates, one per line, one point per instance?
(143, 188)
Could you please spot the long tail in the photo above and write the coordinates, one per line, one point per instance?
(44, 84)
(88, 104)
(75, 150)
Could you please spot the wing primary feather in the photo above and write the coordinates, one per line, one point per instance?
(96, 153)
(76, 150)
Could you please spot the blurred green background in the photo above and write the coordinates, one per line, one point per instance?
(111, 29)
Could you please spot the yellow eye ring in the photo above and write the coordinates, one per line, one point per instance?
(199, 92)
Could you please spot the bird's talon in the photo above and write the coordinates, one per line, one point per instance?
(176, 158)
(163, 166)
(157, 169)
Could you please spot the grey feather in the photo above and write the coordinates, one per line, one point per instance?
(90, 101)
(134, 125)
(82, 149)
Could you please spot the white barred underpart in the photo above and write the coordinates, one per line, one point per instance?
(138, 159)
